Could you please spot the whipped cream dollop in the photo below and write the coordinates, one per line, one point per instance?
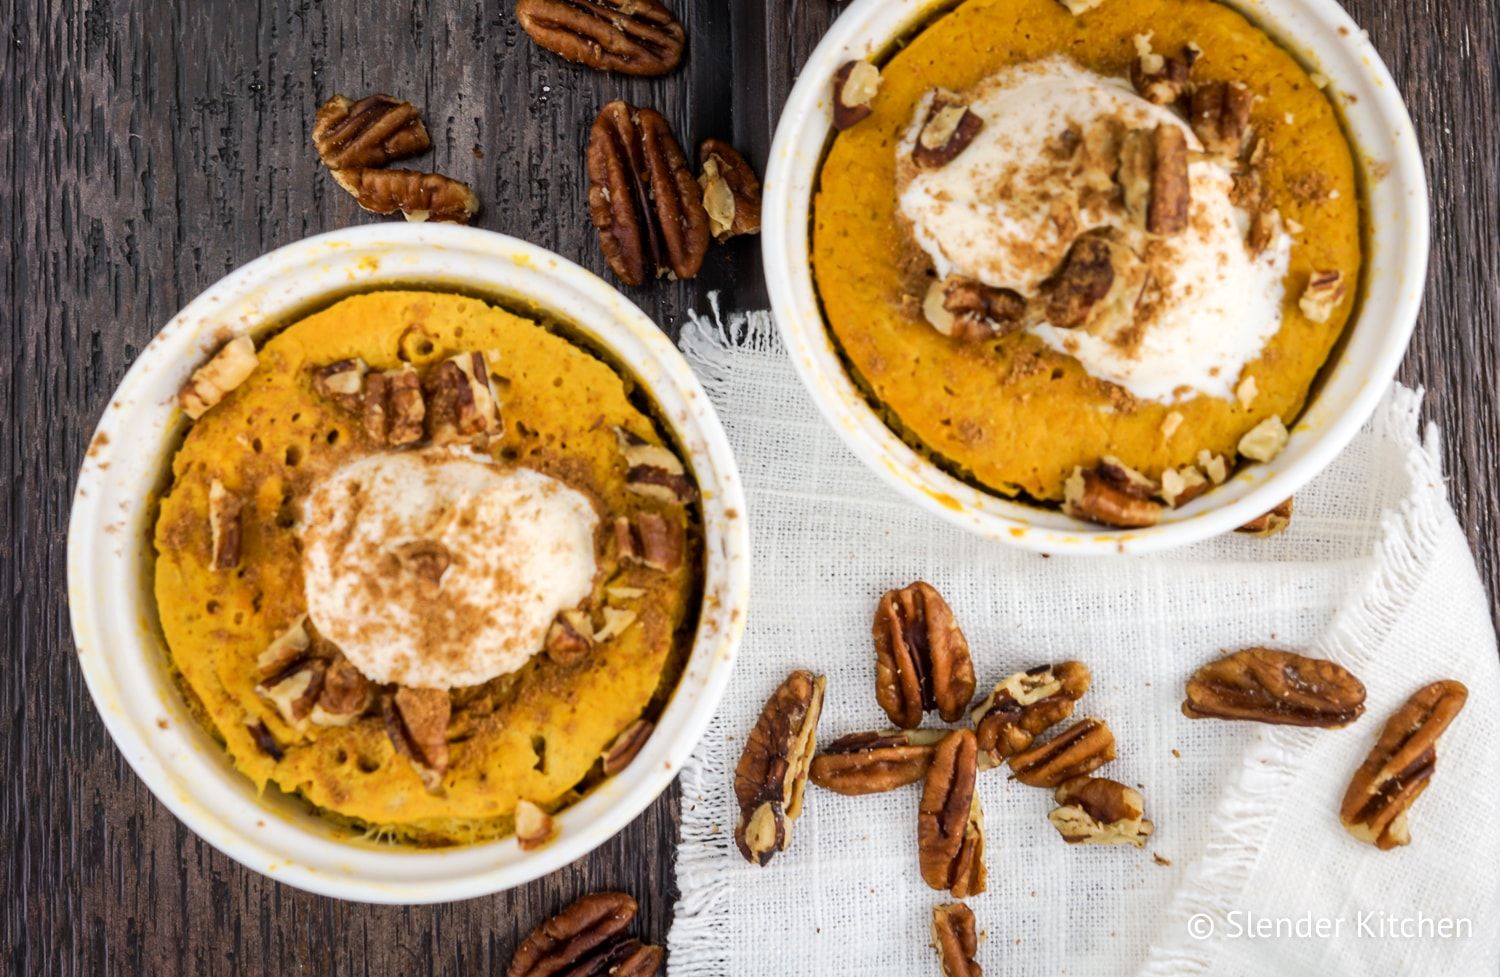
(440, 569)
(1197, 305)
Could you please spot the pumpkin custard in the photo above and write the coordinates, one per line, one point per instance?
(426, 564)
(1094, 258)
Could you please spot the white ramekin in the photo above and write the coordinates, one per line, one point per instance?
(109, 550)
(1323, 36)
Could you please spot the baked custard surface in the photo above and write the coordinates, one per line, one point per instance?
(536, 733)
(1011, 413)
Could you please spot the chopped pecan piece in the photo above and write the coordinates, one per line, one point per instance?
(1154, 178)
(1159, 79)
(1400, 766)
(285, 650)
(1325, 290)
(1265, 440)
(1265, 226)
(1077, 7)
(1278, 687)
(376, 130)
(972, 311)
(1271, 523)
(224, 526)
(417, 722)
(587, 938)
(616, 623)
(534, 826)
(1098, 811)
(947, 129)
(264, 741)
(1214, 466)
(418, 196)
(1179, 486)
(393, 408)
(425, 559)
(570, 638)
(1082, 748)
(625, 746)
(871, 763)
(1024, 706)
(652, 540)
(731, 191)
(643, 199)
(921, 657)
(1111, 494)
(1083, 280)
(1220, 116)
(633, 37)
(345, 696)
(772, 771)
(855, 85)
(294, 691)
(653, 471)
(212, 381)
(954, 939)
(342, 382)
(950, 825)
(461, 398)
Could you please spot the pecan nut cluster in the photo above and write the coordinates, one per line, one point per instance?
(1025, 705)
(454, 399)
(643, 199)
(588, 937)
(771, 775)
(1400, 766)
(922, 659)
(632, 37)
(1279, 687)
(950, 823)
(356, 141)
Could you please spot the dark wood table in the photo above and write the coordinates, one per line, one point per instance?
(148, 148)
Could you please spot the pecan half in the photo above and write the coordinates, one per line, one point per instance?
(950, 825)
(643, 199)
(1324, 291)
(418, 196)
(1082, 281)
(947, 129)
(373, 131)
(1220, 116)
(345, 696)
(1098, 811)
(587, 938)
(342, 382)
(570, 638)
(772, 771)
(461, 398)
(1279, 687)
(534, 826)
(1400, 766)
(871, 763)
(393, 408)
(633, 37)
(224, 526)
(731, 191)
(1265, 440)
(1159, 79)
(623, 748)
(295, 690)
(955, 940)
(855, 85)
(1082, 748)
(654, 471)
(1024, 706)
(417, 722)
(1154, 178)
(1271, 523)
(212, 382)
(972, 311)
(921, 657)
(1111, 494)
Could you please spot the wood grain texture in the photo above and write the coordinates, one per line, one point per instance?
(146, 148)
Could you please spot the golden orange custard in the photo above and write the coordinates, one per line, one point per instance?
(1017, 151)
(423, 559)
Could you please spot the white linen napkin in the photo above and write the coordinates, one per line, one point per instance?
(1373, 573)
